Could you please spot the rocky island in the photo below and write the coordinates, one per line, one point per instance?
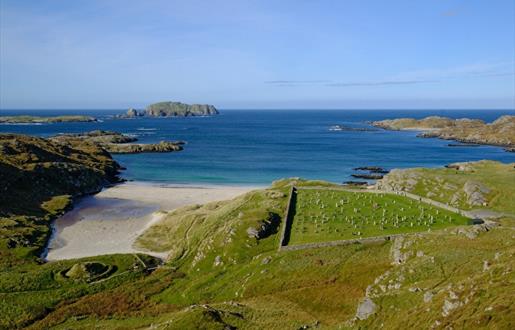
(172, 109)
(44, 120)
(501, 132)
(118, 143)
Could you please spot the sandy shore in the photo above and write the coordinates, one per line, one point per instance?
(110, 221)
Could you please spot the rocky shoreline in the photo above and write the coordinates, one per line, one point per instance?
(468, 132)
(344, 128)
(118, 143)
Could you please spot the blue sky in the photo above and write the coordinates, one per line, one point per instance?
(258, 54)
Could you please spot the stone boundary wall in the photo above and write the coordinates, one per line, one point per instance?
(283, 245)
(343, 242)
(288, 219)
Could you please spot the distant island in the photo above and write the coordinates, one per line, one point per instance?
(44, 120)
(117, 143)
(501, 132)
(344, 128)
(172, 109)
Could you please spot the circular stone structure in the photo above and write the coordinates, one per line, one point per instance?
(86, 271)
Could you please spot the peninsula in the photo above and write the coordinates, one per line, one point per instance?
(44, 120)
(501, 132)
(118, 143)
(172, 109)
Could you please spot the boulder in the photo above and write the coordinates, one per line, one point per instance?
(265, 227)
(131, 113)
(366, 308)
(475, 192)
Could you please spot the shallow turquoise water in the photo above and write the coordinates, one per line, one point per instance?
(256, 147)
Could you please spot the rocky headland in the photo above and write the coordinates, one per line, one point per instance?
(500, 132)
(44, 120)
(118, 143)
(40, 178)
(172, 109)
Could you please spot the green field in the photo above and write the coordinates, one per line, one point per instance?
(323, 215)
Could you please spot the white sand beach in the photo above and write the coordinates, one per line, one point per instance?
(110, 221)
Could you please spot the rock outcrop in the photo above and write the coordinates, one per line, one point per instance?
(475, 193)
(118, 143)
(344, 128)
(501, 132)
(366, 308)
(133, 148)
(132, 113)
(265, 227)
(98, 136)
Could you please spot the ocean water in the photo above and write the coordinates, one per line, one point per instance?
(247, 147)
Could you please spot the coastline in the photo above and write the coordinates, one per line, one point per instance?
(111, 220)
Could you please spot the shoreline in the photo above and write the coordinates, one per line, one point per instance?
(110, 221)
(200, 185)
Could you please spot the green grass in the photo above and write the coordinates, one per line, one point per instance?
(255, 286)
(447, 184)
(30, 291)
(328, 215)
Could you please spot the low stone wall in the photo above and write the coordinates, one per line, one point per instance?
(342, 242)
(288, 219)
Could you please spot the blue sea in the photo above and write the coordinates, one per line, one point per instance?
(249, 147)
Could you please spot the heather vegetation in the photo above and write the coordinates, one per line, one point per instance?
(225, 269)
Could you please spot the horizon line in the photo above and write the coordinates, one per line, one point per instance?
(272, 109)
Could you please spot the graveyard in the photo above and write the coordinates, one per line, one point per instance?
(322, 215)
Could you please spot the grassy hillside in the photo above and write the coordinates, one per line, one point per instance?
(225, 270)
(224, 276)
(39, 179)
(30, 291)
(476, 185)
